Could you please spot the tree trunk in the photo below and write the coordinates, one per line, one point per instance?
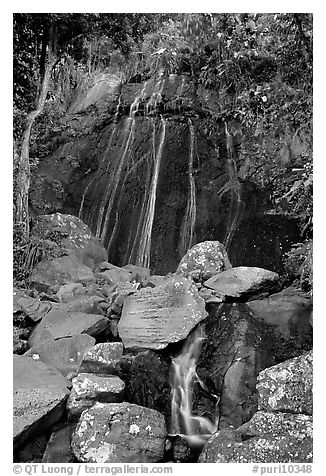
(23, 173)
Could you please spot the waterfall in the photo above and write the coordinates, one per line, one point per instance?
(110, 194)
(189, 221)
(105, 159)
(140, 253)
(196, 430)
(234, 186)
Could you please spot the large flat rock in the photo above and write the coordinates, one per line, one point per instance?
(152, 318)
(39, 398)
(243, 283)
(58, 324)
(119, 433)
(63, 354)
(58, 271)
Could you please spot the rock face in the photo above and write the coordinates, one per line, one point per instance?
(77, 240)
(40, 393)
(243, 283)
(103, 358)
(148, 383)
(267, 438)
(32, 307)
(58, 448)
(63, 270)
(204, 260)
(119, 433)
(289, 316)
(154, 317)
(58, 324)
(64, 354)
(235, 350)
(287, 387)
(89, 388)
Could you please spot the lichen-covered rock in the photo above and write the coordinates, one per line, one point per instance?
(39, 399)
(103, 358)
(154, 317)
(67, 269)
(287, 386)
(59, 324)
(63, 354)
(267, 438)
(204, 260)
(89, 388)
(243, 282)
(119, 433)
(76, 238)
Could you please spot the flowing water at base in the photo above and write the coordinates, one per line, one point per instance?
(196, 430)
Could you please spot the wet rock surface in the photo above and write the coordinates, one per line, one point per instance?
(243, 283)
(119, 433)
(58, 449)
(40, 393)
(154, 317)
(236, 349)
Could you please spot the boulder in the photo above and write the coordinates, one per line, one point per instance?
(152, 318)
(243, 283)
(76, 238)
(115, 276)
(39, 398)
(67, 292)
(63, 354)
(235, 349)
(58, 449)
(289, 317)
(89, 388)
(267, 438)
(287, 387)
(148, 381)
(51, 273)
(34, 308)
(86, 304)
(103, 358)
(58, 324)
(119, 433)
(204, 260)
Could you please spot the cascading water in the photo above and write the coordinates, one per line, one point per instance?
(105, 158)
(110, 194)
(141, 251)
(196, 430)
(234, 186)
(189, 221)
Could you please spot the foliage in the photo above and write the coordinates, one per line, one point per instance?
(28, 252)
(298, 264)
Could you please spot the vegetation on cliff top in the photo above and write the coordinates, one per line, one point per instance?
(260, 65)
